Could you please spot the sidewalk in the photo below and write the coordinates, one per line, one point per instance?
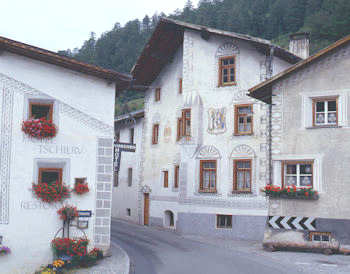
(117, 263)
(304, 261)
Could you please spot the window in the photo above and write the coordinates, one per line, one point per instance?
(129, 176)
(299, 174)
(40, 110)
(320, 236)
(184, 124)
(80, 180)
(157, 95)
(227, 71)
(131, 135)
(165, 179)
(180, 86)
(207, 176)
(116, 179)
(242, 173)
(155, 134)
(243, 120)
(176, 176)
(325, 112)
(224, 221)
(50, 175)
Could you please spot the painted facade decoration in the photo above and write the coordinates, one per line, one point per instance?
(216, 120)
(191, 174)
(85, 135)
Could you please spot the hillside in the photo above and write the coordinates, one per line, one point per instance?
(118, 49)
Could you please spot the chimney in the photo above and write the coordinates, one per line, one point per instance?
(299, 44)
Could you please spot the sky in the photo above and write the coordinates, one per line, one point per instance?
(61, 24)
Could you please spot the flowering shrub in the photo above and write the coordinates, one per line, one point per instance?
(67, 212)
(51, 192)
(39, 128)
(290, 192)
(97, 253)
(4, 250)
(70, 247)
(81, 188)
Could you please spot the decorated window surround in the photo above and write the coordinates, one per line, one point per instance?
(298, 174)
(235, 175)
(307, 107)
(55, 170)
(53, 163)
(33, 104)
(155, 134)
(317, 160)
(326, 104)
(176, 176)
(184, 124)
(237, 115)
(209, 189)
(231, 79)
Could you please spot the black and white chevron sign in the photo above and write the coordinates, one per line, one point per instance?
(288, 222)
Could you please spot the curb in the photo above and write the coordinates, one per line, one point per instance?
(123, 258)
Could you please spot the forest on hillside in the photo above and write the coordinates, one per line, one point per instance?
(118, 49)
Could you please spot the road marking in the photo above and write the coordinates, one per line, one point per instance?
(302, 263)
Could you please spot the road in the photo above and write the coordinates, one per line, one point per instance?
(155, 251)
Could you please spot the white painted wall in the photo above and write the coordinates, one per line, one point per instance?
(197, 63)
(125, 196)
(80, 100)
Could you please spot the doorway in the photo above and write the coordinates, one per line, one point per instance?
(146, 209)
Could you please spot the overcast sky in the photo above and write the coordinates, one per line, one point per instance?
(62, 24)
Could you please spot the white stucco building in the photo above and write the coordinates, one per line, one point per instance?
(310, 132)
(128, 141)
(205, 150)
(79, 98)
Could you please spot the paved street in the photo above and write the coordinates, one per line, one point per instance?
(154, 251)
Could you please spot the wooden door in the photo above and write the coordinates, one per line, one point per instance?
(146, 209)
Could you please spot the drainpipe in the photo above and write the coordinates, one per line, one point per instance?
(269, 75)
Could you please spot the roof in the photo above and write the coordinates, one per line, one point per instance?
(168, 36)
(134, 114)
(122, 80)
(262, 90)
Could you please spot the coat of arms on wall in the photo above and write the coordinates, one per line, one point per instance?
(217, 120)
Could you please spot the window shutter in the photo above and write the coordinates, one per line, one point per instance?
(179, 126)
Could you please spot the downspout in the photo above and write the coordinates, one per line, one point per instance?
(269, 75)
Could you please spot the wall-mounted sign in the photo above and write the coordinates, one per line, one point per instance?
(84, 213)
(82, 224)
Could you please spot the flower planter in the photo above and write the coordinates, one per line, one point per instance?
(51, 192)
(39, 128)
(290, 192)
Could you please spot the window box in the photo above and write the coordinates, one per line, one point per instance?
(39, 128)
(290, 192)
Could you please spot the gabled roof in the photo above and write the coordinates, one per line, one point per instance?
(262, 91)
(168, 36)
(122, 80)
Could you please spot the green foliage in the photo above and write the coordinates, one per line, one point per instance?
(118, 49)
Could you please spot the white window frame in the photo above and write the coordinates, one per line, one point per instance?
(297, 175)
(307, 106)
(317, 168)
